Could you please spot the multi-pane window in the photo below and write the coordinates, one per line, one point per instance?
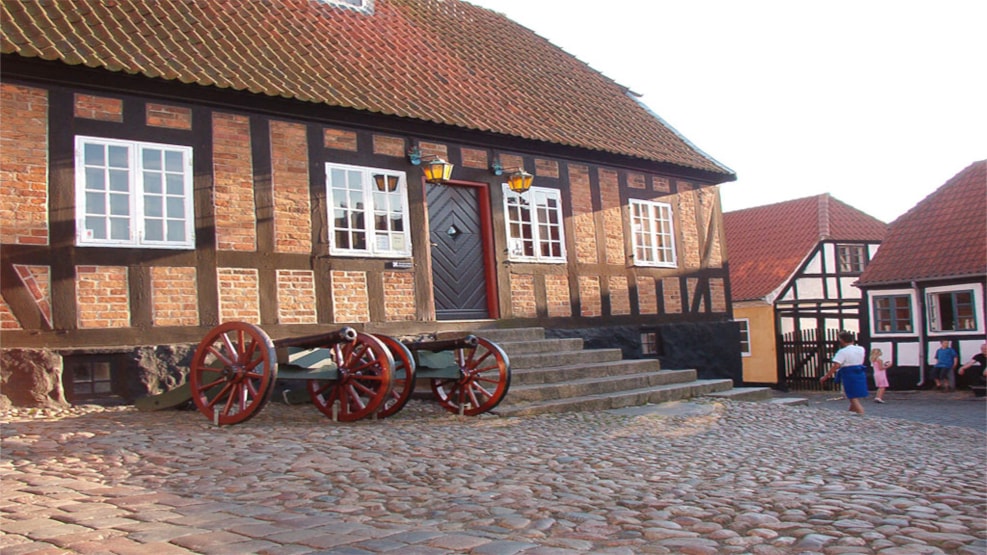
(133, 194)
(649, 343)
(534, 225)
(952, 311)
(892, 314)
(852, 258)
(368, 211)
(745, 337)
(652, 234)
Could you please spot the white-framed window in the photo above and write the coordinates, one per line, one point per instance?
(652, 233)
(745, 336)
(368, 212)
(133, 194)
(534, 225)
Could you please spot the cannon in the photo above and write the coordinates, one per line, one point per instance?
(468, 376)
(348, 375)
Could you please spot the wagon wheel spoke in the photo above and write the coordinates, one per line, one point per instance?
(232, 372)
(364, 383)
(483, 383)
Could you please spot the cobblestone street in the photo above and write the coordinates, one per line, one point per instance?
(698, 477)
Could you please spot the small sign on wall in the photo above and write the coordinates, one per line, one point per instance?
(400, 265)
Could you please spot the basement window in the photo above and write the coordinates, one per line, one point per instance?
(92, 379)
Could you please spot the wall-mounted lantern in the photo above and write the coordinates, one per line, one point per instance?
(436, 169)
(518, 180)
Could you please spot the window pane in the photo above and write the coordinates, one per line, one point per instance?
(153, 207)
(397, 222)
(95, 179)
(120, 229)
(176, 230)
(119, 156)
(97, 226)
(342, 239)
(152, 183)
(360, 240)
(154, 230)
(174, 161)
(95, 203)
(176, 208)
(119, 205)
(94, 155)
(176, 184)
(151, 159)
(119, 180)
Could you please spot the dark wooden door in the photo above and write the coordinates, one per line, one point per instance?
(459, 277)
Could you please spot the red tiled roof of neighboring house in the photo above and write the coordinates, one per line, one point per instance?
(766, 244)
(943, 236)
(443, 61)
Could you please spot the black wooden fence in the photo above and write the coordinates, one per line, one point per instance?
(806, 356)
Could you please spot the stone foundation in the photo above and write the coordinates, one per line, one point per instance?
(33, 377)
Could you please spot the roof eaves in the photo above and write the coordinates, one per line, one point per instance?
(637, 98)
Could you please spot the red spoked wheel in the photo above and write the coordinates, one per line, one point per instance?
(233, 372)
(365, 368)
(403, 376)
(485, 377)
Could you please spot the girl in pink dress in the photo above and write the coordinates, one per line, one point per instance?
(880, 374)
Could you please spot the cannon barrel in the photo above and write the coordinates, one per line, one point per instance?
(445, 344)
(318, 340)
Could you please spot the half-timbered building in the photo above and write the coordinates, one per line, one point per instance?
(793, 266)
(170, 165)
(927, 283)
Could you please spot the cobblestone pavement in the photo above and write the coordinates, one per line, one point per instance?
(706, 476)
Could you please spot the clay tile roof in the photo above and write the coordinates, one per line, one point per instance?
(944, 235)
(444, 61)
(766, 244)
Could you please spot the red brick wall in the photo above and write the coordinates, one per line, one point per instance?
(174, 296)
(613, 218)
(239, 298)
(647, 297)
(717, 292)
(399, 296)
(98, 107)
(672, 293)
(688, 229)
(589, 297)
(584, 227)
(169, 117)
(296, 297)
(233, 180)
(7, 319)
(523, 304)
(350, 301)
(37, 280)
(24, 171)
(102, 297)
(557, 295)
(292, 209)
(339, 139)
(620, 297)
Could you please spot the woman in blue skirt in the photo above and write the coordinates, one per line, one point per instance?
(849, 362)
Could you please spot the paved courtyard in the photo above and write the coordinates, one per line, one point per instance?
(689, 477)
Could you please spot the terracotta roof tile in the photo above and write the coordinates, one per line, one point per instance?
(766, 244)
(944, 235)
(445, 61)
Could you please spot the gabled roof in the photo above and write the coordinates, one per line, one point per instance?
(943, 236)
(767, 244)
(442, 61)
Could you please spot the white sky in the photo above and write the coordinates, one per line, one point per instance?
(877, 102)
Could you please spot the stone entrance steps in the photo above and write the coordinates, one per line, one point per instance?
(559, 375)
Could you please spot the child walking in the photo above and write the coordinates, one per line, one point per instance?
(880, 374)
